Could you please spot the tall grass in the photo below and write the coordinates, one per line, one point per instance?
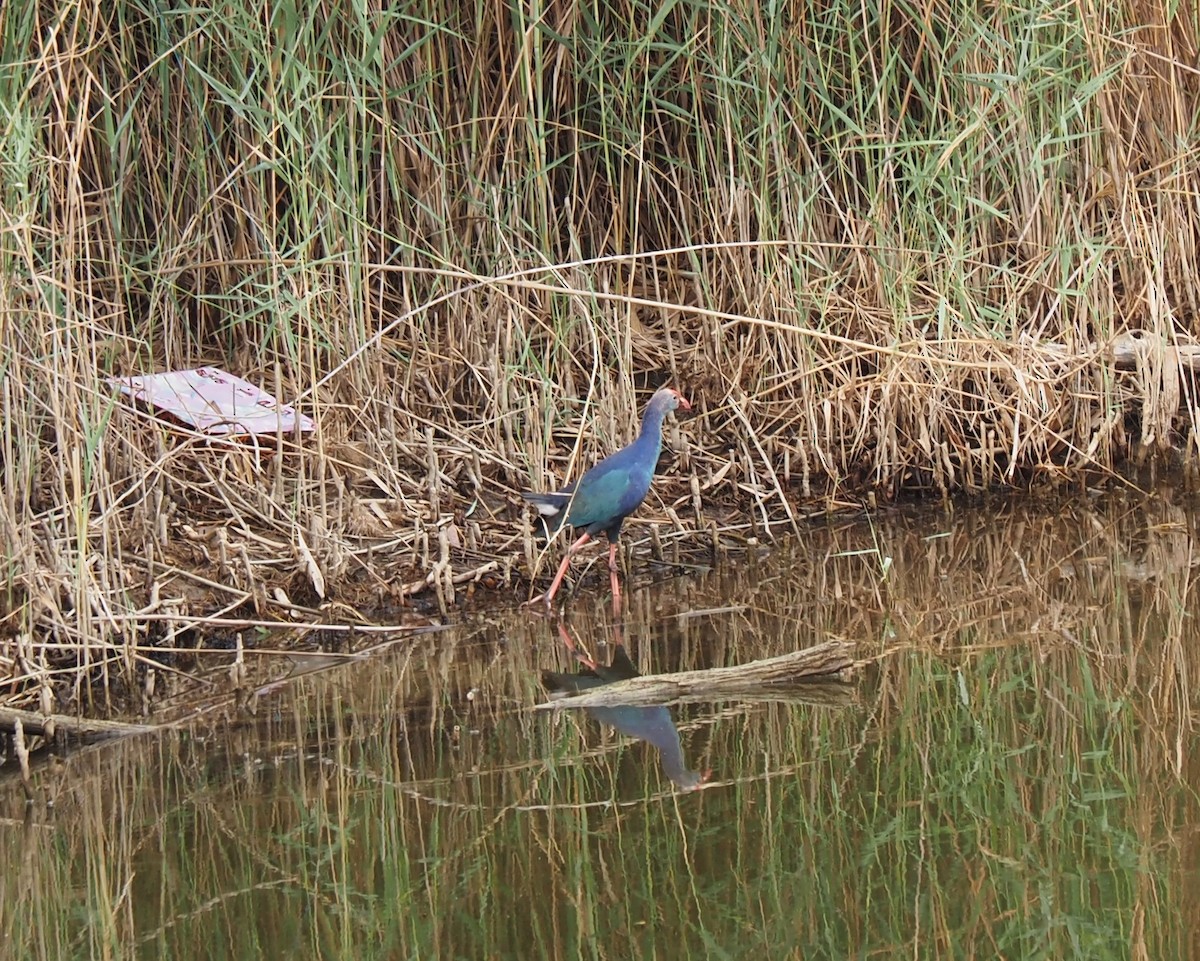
(883, 247)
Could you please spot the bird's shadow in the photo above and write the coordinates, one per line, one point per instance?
(653, 725)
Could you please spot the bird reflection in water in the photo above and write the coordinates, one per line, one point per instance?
(651, 724)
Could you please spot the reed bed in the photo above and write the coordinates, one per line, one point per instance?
(883, 249)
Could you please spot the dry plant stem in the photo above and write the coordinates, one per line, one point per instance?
(614, 576)
(22, 753)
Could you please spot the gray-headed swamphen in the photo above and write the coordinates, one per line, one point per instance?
(608, 493)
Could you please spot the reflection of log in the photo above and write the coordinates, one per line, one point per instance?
(815, 692)
(50, 725)
(824, 662)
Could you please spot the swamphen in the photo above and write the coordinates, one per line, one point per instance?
(608, 493)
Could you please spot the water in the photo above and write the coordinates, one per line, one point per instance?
(1010, 775)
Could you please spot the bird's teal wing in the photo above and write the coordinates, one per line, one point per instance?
(609, 491)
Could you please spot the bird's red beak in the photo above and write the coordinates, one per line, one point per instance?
(683, 401)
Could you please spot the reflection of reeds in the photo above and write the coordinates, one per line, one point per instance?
(1015, 780)
(881, 249)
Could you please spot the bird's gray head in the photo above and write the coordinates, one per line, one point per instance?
(668, 398)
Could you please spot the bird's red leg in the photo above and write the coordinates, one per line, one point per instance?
(580, 655)
(548, 597)
(616, 581)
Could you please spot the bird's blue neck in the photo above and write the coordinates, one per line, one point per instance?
(651, 435)
(674, 767)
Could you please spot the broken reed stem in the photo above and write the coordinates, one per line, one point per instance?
(22, 753)
(433, 486)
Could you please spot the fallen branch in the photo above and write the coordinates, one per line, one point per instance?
(416, 587)
(1127, 349)
(50, 725)
(824, 662)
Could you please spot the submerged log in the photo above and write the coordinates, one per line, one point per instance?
(766, 678)
(52, 725)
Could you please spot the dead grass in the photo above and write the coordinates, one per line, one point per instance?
(879, 257)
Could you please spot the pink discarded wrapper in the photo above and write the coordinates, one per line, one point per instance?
(214, 402)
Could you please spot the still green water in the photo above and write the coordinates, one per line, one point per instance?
(1011, 775)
